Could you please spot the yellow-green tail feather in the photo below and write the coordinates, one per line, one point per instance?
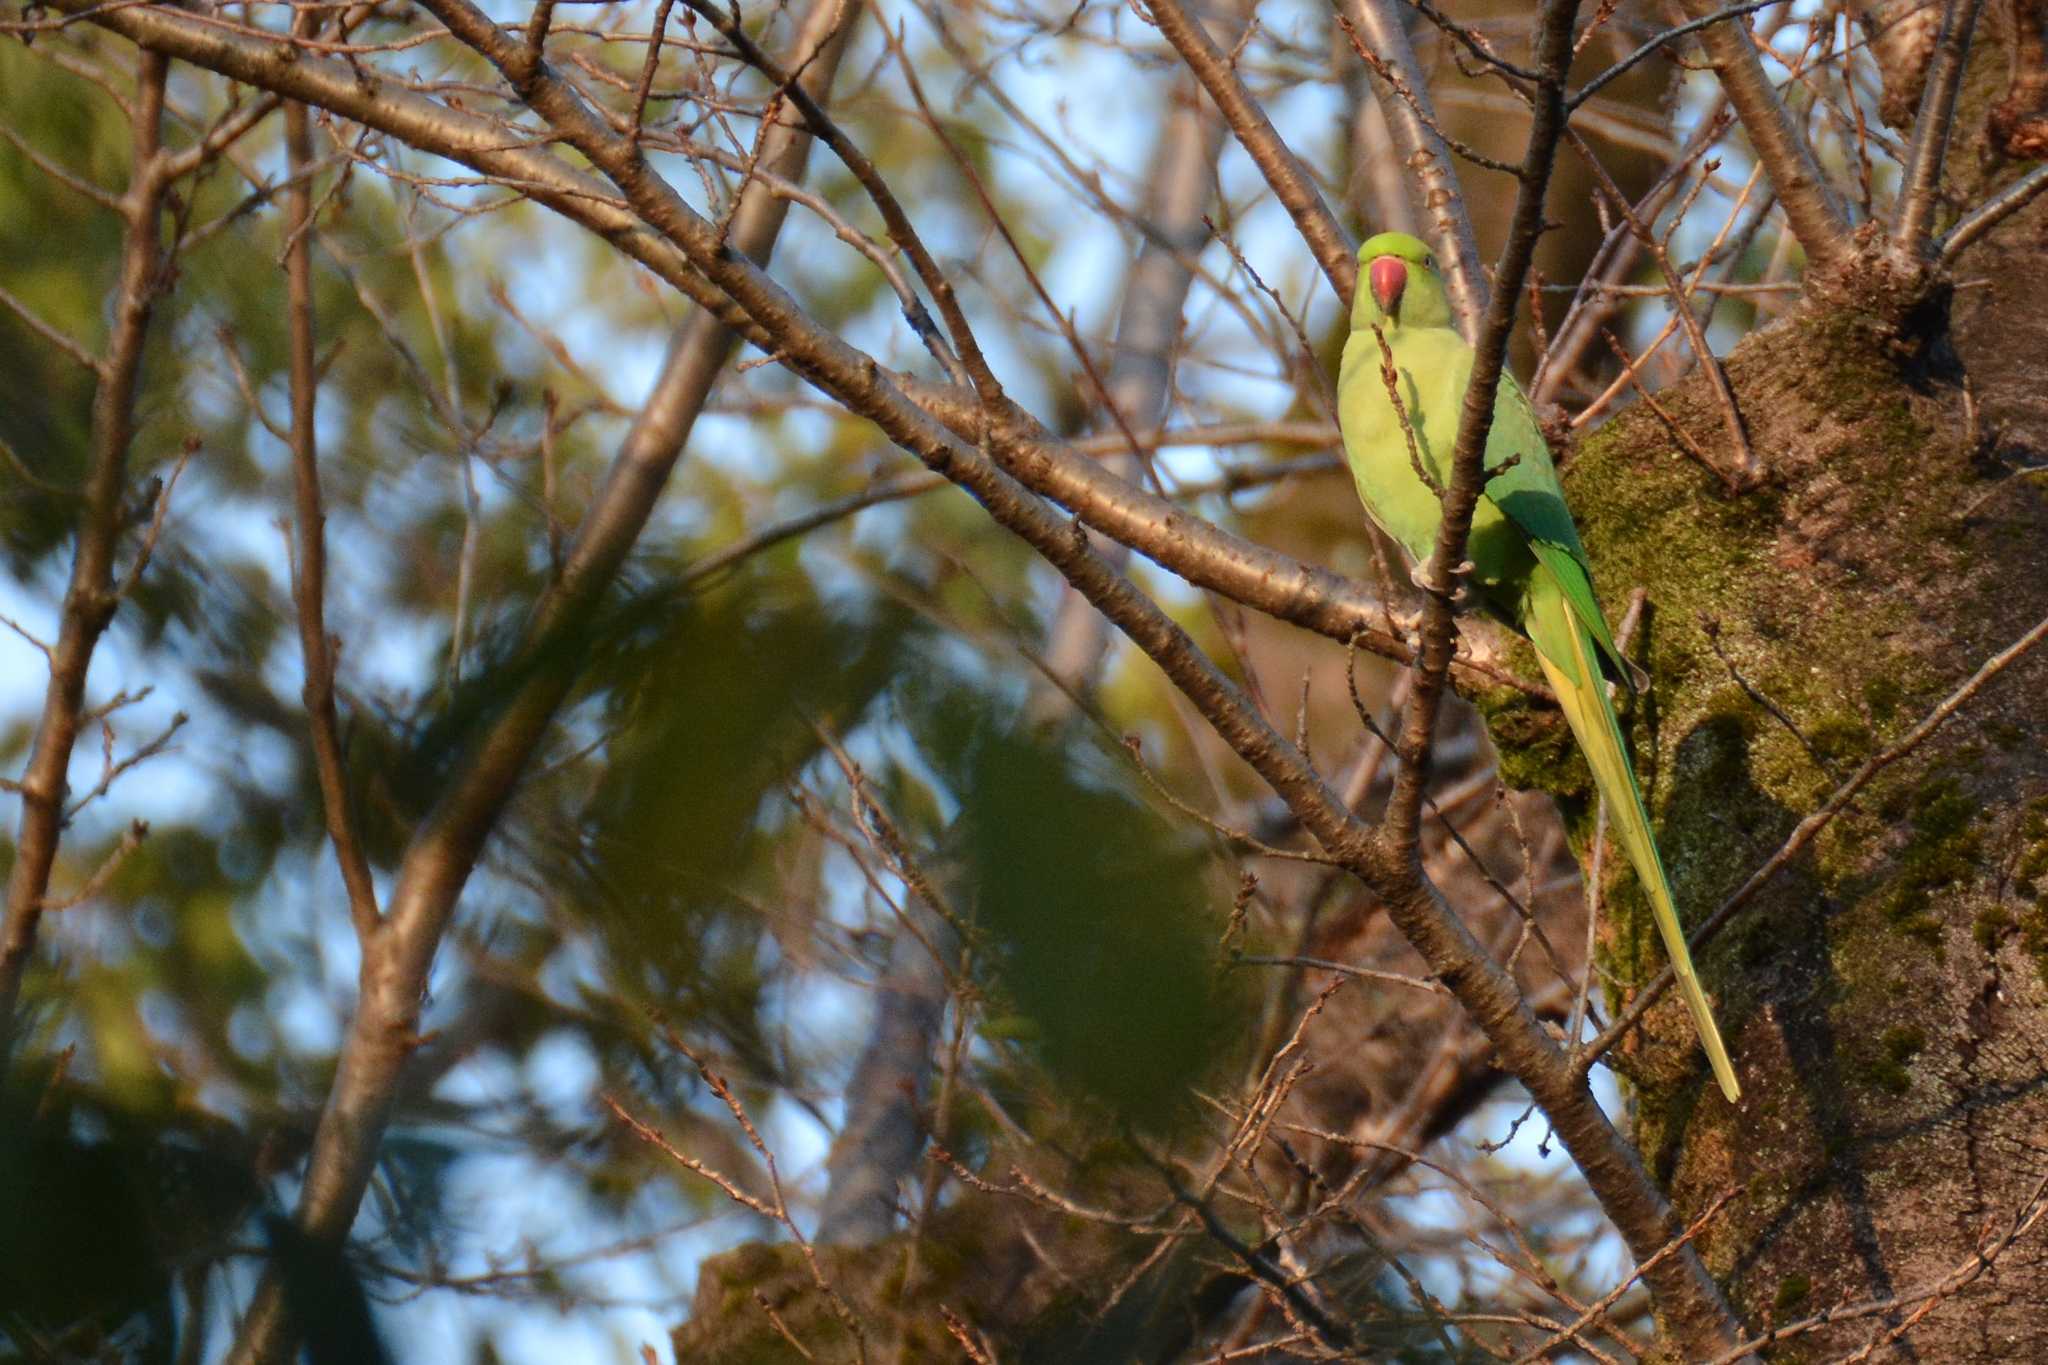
(1565, 650)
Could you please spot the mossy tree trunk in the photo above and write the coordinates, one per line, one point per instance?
(1884, 994)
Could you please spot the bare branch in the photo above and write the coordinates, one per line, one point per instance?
(77, 184)
(1993, 211)
(1327, 241)
(1685, 439)
(970, 368)
(51, 333)
(1263, 579)
(444, 849)
(131, 839)
(1595, 1311)
(112, 768)
(1747, 471)
(1816, 216)
(1594, 300)
(91, 598)
(309, 560)
(1920, 183)
(1475, 423)
(382, 1033)
(159, 493)
(1669, 35)
(1320, 964)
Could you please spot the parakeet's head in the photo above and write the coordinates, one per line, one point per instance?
(1398, 285)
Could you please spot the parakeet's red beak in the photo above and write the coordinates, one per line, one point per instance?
(1389, 276)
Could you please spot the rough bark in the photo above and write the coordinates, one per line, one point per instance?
(2018, 123)
(1884, 994)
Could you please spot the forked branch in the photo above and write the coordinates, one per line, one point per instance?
(92, 595)
(444, 850)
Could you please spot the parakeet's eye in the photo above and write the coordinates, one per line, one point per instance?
(1429, 262)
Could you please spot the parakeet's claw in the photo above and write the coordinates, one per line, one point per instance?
(1458, 590)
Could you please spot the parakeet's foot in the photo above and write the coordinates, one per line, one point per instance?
(1458, 589)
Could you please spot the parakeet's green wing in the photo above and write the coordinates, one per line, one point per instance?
(1529, 494)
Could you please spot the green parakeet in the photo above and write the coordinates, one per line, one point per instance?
(1527, 566)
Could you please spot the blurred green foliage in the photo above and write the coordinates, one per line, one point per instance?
(1102, 917)
(59, 258)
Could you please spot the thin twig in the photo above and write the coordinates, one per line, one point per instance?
(1289, 179)
(1323, 964)
(131, 839)
(50, 332)
(1747, 471)
(309, 548)
(1391, 379)
(1379, 33)
(111, 768)
(445, 847)
(1993, 211)
(1685, 439)
(1607, 1301)
(2022, 1222)
(1669, 35)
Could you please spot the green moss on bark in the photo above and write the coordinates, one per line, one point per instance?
(1792, 634)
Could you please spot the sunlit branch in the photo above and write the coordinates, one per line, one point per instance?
(1745, 469)
(970, 367)
(91, 597)
(1592, 302)
(1993, 211)
(1197, 550)
(1688, 1297)
(1290, 181)
(446, 846)
(1651, 47)
(1920, 183)
(1816, 216)
(1475, 422)
(1403, 92)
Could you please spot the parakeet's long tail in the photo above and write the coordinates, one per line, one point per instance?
(1566, 652)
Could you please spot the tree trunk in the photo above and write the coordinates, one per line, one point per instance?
(1884, 992)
